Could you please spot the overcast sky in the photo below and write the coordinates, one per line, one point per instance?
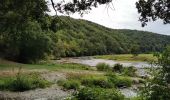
(123, 15)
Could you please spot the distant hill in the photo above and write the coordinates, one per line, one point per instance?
(77, 37)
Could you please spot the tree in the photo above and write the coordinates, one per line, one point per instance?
(26, 31)
(135, 50)
(80, 6)
(157, 88)
(152, 10)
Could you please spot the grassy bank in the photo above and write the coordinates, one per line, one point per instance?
(8, 65)
(22, 82)
(128, 57)
(102, 81)
(104, 86)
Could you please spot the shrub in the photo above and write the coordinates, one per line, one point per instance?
(142, 81)
(112, 77)
(130, 71)
(119, 81)
(96, 82)
(98, 94)
(123, 82)
(117, 68)
(23, 83)
(69, 84)
(103, 67)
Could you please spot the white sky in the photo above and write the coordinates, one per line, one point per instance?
(124, 16)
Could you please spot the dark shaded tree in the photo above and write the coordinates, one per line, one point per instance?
(27, 32)
(152, 10)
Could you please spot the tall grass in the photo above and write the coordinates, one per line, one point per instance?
(98, 94)
(129, 57)
(23, 82)
(103, 67)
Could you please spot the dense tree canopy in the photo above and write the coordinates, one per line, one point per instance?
(27, 32)
(151, 10)
(85, 38)
(78, 5)
(24, 30)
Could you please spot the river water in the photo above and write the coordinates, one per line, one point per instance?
(93, 62)
(90, 61)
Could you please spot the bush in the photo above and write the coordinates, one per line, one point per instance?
(130, 71)
(98, 94)
(97, 82)
(69, 84)
(112, 77)
(119, 81)
(117, 68)
(23, 83)
(123, 82)
(103, 67)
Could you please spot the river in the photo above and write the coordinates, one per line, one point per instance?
(90, 61)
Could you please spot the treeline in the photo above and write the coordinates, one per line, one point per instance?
(83, 38)
(65, 37)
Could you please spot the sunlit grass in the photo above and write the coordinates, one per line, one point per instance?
(128, 57)
(6, 65)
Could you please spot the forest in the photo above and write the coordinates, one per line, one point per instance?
(62, 36)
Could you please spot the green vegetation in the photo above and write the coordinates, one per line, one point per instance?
(78, 77)
(94, 39)
(117, 68)
(99, 94)
(6, 65)
(130, 71)
(96, 82)
(119, 81)
(128, 57)
(70, 84)
(103, 67)
(91, 80)
(157, 87)
(28, 34)
(23, 82)
(59, 37)
(95, 86)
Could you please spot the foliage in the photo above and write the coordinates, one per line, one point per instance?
(93, 39)
(79, 6)
(152, 10)
(23, 83)
(24, 30)
(103, 67)
(128, 57)
(119, 81)
(29, 34)
(129, 71)
(69, 84)
(60, 38)
(7, 65)
(117, 68)
(135, 50)
(96, 82)
(99, 94)
(158, 86)
(123, 82)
